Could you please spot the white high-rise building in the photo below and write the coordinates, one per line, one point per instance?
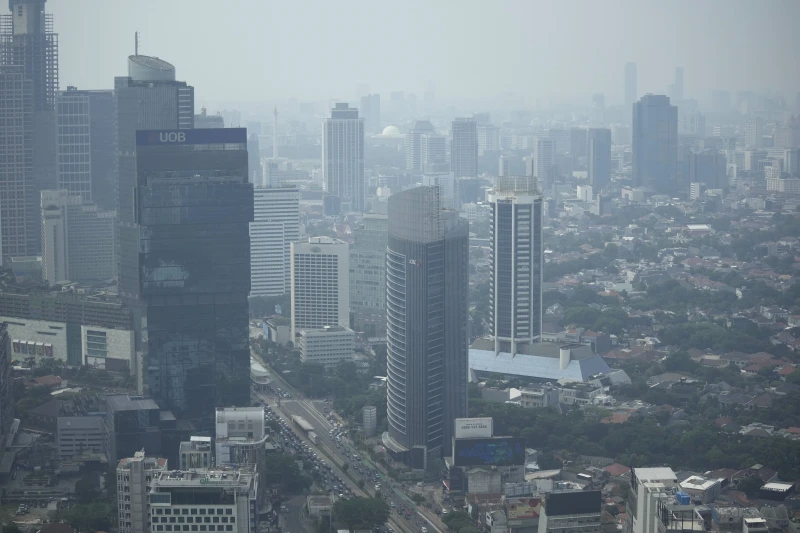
(543, 160)
(328, 346)
(413, 144)
(77, 239)
(753, 132)
(648, 487)
(515, 279)
(464, 148)
(433, 151)
(320, 284)
(134, 477)
(276, 224)
(343, 156)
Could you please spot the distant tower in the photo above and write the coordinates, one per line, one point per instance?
(275, 133)
(343, 157)
(655, 144)
(631, 94)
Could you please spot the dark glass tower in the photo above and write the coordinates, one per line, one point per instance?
(599, 158)
(426, 323)
(655, 144)
(186, 267)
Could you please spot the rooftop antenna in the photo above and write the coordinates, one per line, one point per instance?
(136, 37)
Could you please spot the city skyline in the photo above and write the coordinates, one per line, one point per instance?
(625, 34)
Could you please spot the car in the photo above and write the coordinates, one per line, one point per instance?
(444, 511)
(423, 529)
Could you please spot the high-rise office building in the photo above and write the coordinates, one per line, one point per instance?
(578, 142)
(28, 87)
(655, 144)
(753, 132)
(186, 268)
(562, 140)
(413, 144)
(134, 476)
(631, 91)
(320, 284)
(488, 138)
(448, 188)
(148, 98)
(343, 157)
(676, 88)
(85, 145)
(543, 160)
(371, 111)
(426, 324)
(78, 239)
(515, 273)
(276, 224)
(709, 168)
(6, 388)
(368, 276)
(433, 151)
(254, 169)
(204, 121)
(464, 148)
(599, 158)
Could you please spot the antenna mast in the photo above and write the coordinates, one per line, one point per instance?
(136, 48)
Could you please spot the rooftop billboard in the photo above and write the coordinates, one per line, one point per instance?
(470, 428)
(497, 451)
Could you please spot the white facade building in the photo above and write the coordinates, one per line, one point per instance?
(214, 500)
(649, 486)
(134, 477)
(544, 157)
(320, 284)
(433, 152)
(240, 435)
(77, 239)
(276, 224)
(343, 157)
(328, 346)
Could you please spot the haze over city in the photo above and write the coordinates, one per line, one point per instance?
(557, 51)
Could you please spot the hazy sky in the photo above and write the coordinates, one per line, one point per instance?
(253, 50)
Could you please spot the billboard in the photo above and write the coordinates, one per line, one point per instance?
(523, 508)
(497, 451)
(199, 136)
(470, 428)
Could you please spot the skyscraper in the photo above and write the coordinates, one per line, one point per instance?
(599, 158)
(433, 151)
(28, 87)
(464, 148)
(343, 156)
(754, 132)
(254, 161)
(631, 92)
(368, 276)
(676, 89)
(543, 160)
(78, 239)
(709, 168)
(276, 225)
(413, 144)
(371, 111)
(426, 324)
(515, 273)
(655, 144)
(320, 284)
(185, 268)
(148, 98)
(6, 387)
(85, 145)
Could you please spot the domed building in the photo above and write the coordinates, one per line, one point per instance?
(390, 137)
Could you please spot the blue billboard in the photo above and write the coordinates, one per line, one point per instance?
(200, 136)
(495, 451)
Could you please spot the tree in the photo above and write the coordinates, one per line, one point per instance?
(281, 469)
(750, 486)
(361, 513)
(11, 527)
(85, 489)
(417, 498)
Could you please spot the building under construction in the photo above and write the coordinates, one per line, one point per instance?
(28, 89)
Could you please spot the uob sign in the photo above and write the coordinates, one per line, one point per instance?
(172, 137)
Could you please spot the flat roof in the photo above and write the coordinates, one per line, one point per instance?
(655, 474)
(777, 486)
(125, 402)
(544, 366)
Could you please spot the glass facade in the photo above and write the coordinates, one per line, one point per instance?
(426, 320)
(188, 256)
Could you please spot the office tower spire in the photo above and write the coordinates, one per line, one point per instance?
(426, 324)
(515, 274)
(28, 86)
(343, 157)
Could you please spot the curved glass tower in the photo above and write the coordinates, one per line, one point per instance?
(426, 324)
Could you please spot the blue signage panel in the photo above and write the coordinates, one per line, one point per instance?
(199, 136)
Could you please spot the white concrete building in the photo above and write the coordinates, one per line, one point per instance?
(649, 486)
(196, 453)
(543, 160)
(77, 239)
(370, 420)
(320, 284)
(214, 500)
(785, 185)
(134, 477)
(327, 346)
(433, 152)
(79, 435)
(343, 157)
(276, 224)
(240, 435)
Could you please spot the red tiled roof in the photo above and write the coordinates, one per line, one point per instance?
(617, 469)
